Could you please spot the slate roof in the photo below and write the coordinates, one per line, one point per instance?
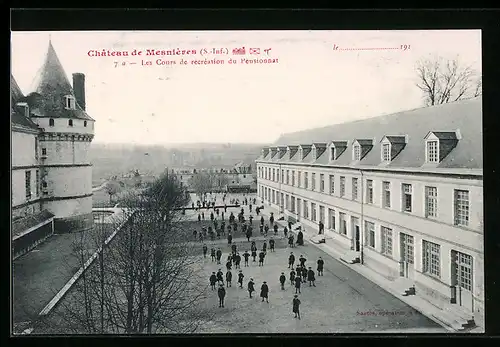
(17, 117)
(22, 224)
(51, 85)
(464, 115)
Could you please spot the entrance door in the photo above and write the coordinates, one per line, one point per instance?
(462, 284)
(407, 256)
(357, 247)
(355, 235)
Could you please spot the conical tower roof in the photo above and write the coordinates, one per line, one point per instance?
(50, 86)
(15, 92)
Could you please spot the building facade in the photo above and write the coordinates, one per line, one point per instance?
(51, 136)
(404, 192)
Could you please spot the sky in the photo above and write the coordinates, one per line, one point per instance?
(311, 84)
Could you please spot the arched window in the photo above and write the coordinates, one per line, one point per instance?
(70, 122)
(84, 123)
(51, 122)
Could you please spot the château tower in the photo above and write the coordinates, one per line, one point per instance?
(58, 108)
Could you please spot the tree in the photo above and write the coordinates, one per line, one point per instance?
(202, 183)
(112, 188)
(146, 279)
(442, 81)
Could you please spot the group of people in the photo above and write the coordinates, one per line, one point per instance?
(298, 275)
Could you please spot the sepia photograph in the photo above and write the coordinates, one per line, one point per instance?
(246, 182)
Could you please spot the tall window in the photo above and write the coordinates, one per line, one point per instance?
(306, 180)
(431, 258)
(386, 194)
(287, 202)
(355, 188)
(322, 214)
(386, 152)
(332, 184)
(274, 175)
(343, 223)
(461, 207)
(282, 176)
(51, 122)
(306, 210)
(386, 240)
(342, 186)
(292, 203)
(313, 181)
(293, 178)
(322, 183)
(70, 122)
(298, 207)
(299, 179)
(369, 191)
(27, 183)
(287, 176)
(313, 212)
(430, 202)
(84, 123)
(432, 152)
(331, 219)
(356, 152)
(37, 187)
(406, 196)
(370, 234)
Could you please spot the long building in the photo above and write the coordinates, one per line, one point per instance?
(51, 170)
(402, 192)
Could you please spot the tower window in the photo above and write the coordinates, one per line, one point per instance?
(84, 123)
(51, 122)
(70, 102)
(70, 122)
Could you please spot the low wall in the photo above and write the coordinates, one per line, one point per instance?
(73, 224)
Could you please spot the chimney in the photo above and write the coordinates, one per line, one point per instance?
(79, 88)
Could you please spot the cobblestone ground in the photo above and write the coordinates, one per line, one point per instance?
(343, 301)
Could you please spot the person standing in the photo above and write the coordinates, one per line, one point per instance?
(310, 277)
(264, 292)
(304, 274)
(262, 220)
(229, 278)
(264, 246)
(275, 229)
(254, 252)
(251, 287)
(213, 280)
(195, 233)
(290, 241)
(250, 207)
(261, 258)
(246, 255)
(296, 305)
(219, 255)
(321, 263)
(271, 245)
(292, 276)
(290, 226)
(240, 278)
(220, 277)
(199, 217)
(249, 234)
(222, 293)
(261, 228)
(212, 253)
(238, 261)
(229, 238)
(203, 215)
(228, 264)
(291, 260)
(285, 231)
(302, 261)
(205, 249)
(266, 230)
(271, 219)
(321, 227)
(298, 281)
(282, 280)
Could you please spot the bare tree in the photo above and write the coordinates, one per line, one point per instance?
(146, 280)
(202, 183)
(443, 81)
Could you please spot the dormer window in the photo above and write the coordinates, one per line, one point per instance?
(332, 153)
(51, 122)
(70, 122)
(314, 153)
(438, 144)
(70, 102)
(356, 152)
(23, 106)
(360, 149)
(432, 151)
(337, 148)
(391, 146)
(301, 153)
